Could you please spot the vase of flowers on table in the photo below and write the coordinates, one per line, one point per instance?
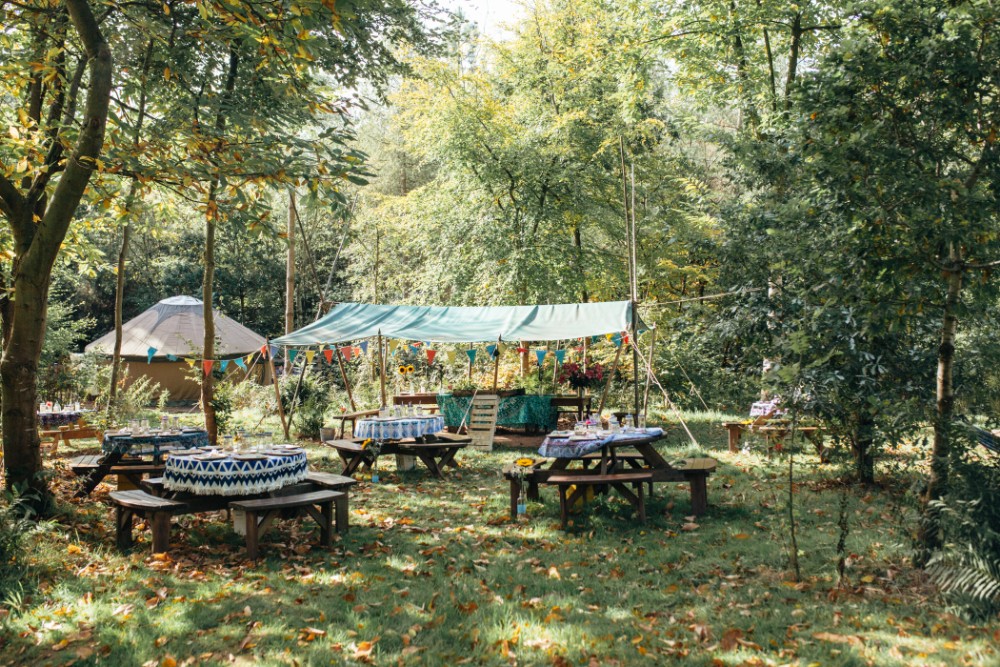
(581, 378)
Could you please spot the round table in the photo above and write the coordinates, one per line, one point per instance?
(125, 442)
(235, 475)
(397, 428)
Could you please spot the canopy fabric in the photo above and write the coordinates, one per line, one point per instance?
(176, 326)
(463, 324)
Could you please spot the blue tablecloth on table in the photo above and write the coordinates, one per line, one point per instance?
(57, 419)
(151, 443)
(564, 448)
(397, 428)
(520, 411)
(234, 477)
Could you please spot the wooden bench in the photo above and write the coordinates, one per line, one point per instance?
(95, 467)
(129, 504)
(618, 481)
(696, 472)
(353, 454)
(260, 513)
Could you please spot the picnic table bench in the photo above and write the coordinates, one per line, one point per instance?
(343, 418)
(261, 512)
(95, 467)
(617, 480)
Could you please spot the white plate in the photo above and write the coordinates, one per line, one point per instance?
(580, 438)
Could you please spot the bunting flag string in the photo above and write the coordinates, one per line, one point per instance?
(430, 356)
(241, 363)
(328, 353)
(310, 355)
(540, 354)
(149, 355)
(472, 355)
(560, 355)
(206, 366)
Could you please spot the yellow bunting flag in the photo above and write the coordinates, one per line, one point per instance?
(449, 356)
(309, 356)
(393, 344)
(249, 359)
(501, 347)
(190, 362)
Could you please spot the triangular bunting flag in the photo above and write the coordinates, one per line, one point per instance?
(328, 353)
(310, 354)
(291, 356)
(617, 340)
(491, 350)
(357, 351)
(364, 347)
(594, 339)
(625, 339)
(172, 357)
(347, 352)
(472, 355)
(541, 356)
(239, 362)
(190, 362)
(393, 344)
(206, 366)
(263, 351)
(274, 350)
(149, 355)
(248, 359)
(522, 350)
(430, 356)
(414, 349)
(560, 355)
(223, 364)
(501, 347)
(449, 356)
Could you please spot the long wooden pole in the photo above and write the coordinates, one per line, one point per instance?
(347, 383)
(611, 374)
(298, 387)
(277, 389)
(649, 373)
(381, 367)
(496, 366)
(290, 266)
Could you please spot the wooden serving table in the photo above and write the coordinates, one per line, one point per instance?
(774, 434)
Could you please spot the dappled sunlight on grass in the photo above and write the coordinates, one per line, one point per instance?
(433, 572)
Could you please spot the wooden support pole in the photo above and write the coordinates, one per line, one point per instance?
(277, 389)
(496, 366)
(649, 373)
(347, 383)
(607, 383)
(298, 387)
(470, 363)
(381, 368)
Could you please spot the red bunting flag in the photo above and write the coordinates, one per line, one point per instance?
(430, 356)
(263, 351)
(328, 353)
(206, 366)
(522, 350)
(625, 339)
(347, 352)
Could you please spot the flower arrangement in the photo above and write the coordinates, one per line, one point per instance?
(405, 369)
(578, 378)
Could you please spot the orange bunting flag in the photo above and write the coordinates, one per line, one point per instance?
(328, 353)
(206, 366)
(263, 351)
(347, 352)
(430, 356)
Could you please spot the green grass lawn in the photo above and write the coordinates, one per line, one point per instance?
(433, 573)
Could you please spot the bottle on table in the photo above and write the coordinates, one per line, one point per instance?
(628, 422)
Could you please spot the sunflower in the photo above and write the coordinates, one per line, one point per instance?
(402, 370)
(410, 368)
(364, 445)
(524, 463)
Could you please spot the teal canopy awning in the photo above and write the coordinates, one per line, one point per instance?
(462, 324)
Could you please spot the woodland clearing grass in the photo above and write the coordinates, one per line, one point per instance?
(432, 573)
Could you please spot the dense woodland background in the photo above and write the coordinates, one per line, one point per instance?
(815, 187)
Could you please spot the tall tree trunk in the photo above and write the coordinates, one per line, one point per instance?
(208, 281)
(36, 246)
(937, 481)
(862, 446)
(290, 266)
(116, 357)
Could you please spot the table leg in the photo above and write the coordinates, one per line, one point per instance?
(735, 432)
(699, 494)
(515, 493)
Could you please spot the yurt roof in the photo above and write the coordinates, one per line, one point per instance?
(175, 326)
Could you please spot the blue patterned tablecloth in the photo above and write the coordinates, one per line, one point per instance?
(232, 476)
(398, 427)
(519, 411)
(151, 443)
(564, 448)
(57, 419)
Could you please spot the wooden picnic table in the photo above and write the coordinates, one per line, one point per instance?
(352, 417)
(434, 452)
(611, 463)
(774, 434)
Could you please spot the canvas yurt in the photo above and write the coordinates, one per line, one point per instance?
(174, 330)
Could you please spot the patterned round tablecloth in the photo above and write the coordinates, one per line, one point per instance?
(234, 476)
(153, 442)
(562, 447)
(397, 428)
(57, 419)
